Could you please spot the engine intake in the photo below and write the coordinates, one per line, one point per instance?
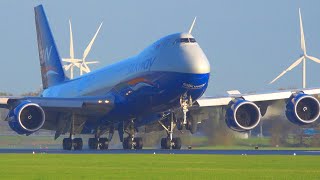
(242, 115)
(26, 118)
(302, 109)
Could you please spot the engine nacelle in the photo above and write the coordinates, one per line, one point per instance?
(302, 109)
(242, 115)
(26, 118)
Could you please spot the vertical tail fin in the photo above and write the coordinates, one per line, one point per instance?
(51, 68)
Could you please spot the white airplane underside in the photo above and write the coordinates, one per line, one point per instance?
(159, 87)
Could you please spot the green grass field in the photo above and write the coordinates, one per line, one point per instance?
(115, 166)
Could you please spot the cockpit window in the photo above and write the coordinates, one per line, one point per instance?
(185, 40)
(192, 40)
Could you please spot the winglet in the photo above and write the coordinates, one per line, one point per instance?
(191, 27)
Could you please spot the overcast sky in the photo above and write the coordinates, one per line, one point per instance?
(248, 43)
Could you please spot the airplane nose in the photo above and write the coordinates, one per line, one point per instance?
(193, 60)
(183, 59)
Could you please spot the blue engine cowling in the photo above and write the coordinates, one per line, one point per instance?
(242, 115)
(302, 109)
(26, 118)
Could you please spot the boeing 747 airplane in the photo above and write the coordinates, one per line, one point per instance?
(160, 88)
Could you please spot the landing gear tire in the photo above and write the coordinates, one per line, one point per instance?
(176, 143)
(67, 144)
(77, 144)
(93, 143)
(179, 124)
(127, 143)
(165, 143)
(103, 143)
(191, 124)
(138, 143)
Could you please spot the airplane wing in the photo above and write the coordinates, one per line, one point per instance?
(83, 104)
(272, 96)
(243, 111)
(55, 113)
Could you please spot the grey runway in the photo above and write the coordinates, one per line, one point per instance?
(161, 151)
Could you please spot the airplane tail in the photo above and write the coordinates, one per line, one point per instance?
(50, 63)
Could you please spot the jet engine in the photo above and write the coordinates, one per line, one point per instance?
(302, 109)
(242, 115)
(26, 118)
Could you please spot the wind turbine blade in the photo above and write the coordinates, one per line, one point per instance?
(87, 50)
(303, 43)
(92, 62)
(314, 59)
(67, 67)
(84, 69)
(293, 65)
(191, 27)
(77, 65)
(71, 60)
(71, 41)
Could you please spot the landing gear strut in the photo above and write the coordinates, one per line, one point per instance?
(130, 141)
(169, 142)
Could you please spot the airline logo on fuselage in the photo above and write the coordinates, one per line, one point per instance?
(191, 86)
(141, 66)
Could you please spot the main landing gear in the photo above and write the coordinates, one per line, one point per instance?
(130, 142)
(101, 143)
(93, 143)
(169, 142)
(68, 143)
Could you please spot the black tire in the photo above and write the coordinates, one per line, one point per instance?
(93, 143)
(194, 126)
(103, 143)
(163, 142)
(179, 124)
(67, 144)
(127, 143)
(176, 143)
(188, 125)
(191, 124)
(139, 143)
(77, 144)
(167, 144)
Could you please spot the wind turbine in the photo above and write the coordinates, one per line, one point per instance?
(302, 58)
(82, 64)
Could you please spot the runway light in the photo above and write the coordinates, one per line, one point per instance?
(99, 101)
(106, 101)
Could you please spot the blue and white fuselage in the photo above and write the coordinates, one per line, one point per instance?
(150, 82)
